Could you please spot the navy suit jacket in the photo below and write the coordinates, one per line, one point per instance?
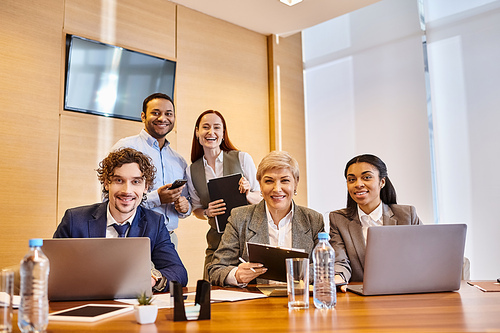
(91, 221)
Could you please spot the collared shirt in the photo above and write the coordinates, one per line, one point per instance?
(170, 166)
(374, 219)
(280, 235)
(246, 164)
(110, 230)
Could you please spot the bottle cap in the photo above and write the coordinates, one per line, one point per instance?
(36, 242)
(323, 235)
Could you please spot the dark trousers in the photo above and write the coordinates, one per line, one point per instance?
(213, 240)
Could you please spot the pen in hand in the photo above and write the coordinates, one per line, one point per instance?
(244, 262)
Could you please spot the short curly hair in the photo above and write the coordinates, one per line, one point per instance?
(122, 156)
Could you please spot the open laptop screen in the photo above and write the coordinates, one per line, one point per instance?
(413, 259)
(98, 268)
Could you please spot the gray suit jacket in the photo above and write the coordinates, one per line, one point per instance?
(346, 237)
(249, 224)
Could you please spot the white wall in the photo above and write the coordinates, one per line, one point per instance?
(464, 68)
(365, 93)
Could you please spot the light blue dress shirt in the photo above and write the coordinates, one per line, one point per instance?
(170, 166)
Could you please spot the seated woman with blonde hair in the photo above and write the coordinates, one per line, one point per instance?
(276, 221)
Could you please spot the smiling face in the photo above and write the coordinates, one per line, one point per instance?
(159, 118)
(126, 188)
(210, 131)
(364, 185)
(277, 187)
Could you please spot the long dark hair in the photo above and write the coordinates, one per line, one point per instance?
(387, 193)
(197, 148)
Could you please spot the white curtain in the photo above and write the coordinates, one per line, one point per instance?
(365, 88)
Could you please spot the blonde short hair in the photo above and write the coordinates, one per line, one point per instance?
(278, 159)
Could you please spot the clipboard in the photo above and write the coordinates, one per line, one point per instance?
(273, 258)
(226, 188)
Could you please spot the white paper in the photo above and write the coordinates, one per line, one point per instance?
(222, 295)
(5, 299)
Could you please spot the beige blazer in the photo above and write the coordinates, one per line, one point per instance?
(346, 237)
(249, 224)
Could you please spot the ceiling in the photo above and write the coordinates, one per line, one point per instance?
(273, 17)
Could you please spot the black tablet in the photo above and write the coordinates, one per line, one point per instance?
(90, 312)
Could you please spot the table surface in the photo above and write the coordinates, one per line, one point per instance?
(468, 310)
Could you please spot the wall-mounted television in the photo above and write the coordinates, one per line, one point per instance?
(112, 81)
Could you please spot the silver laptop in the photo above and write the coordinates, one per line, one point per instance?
(98, 268)
(408, 259)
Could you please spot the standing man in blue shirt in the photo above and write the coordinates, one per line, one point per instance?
(158, 116)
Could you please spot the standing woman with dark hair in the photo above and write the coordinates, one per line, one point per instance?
(371, 201)
(212, 156)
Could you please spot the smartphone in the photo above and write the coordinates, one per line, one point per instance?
(178, 183)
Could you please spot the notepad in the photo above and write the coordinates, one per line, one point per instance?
(222, 295)
(485, 285)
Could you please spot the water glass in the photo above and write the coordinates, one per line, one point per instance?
(297, 277)
(6, 296)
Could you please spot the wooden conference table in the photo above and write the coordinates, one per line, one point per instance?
(468, 310)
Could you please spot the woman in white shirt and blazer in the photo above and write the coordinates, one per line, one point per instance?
(371, 201)
(213, 155)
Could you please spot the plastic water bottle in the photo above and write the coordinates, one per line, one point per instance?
(324, 292)
(33, 315)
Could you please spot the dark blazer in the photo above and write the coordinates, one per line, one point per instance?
(249, 224)
(346, 237)
(91, 221)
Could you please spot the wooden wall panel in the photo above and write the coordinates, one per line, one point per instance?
(147, 25)
(49, 156)
(85, 141)
(287, 116)
(30, 58)
(223, 67)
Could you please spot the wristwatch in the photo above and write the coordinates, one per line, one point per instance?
(161, 281)
(156, 274)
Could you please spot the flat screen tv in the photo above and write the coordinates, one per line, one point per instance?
(111, 81)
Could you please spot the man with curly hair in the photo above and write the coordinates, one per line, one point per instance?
(126, 176)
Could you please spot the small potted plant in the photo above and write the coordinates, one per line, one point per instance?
(145, 312)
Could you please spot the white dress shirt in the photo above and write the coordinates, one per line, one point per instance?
(246, 164)
(374, 219)
(279, 235)
(110, 230)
